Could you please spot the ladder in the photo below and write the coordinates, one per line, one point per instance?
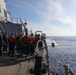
(2, 28)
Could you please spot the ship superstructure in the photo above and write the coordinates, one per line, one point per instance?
(10, 24)
(4, 14)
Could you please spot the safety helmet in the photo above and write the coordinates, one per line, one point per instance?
(15, 33)
(12, 33)
(43, 35)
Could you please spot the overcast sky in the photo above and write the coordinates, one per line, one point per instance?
(54, 17)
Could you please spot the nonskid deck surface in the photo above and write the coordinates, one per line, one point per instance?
(16, 65)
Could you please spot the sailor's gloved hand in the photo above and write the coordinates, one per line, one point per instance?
(46, 48)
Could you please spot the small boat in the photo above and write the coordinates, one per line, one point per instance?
(53, 44)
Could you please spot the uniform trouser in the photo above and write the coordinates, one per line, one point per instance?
(4, 47)
(32, 48)
(25, 48)
(38, 61)
(19, 47)
(11, 49)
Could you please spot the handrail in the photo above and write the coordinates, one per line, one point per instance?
(54, 69)
(38, 31)
(48, 63)
(56, 59)
(22, 22)
(10, 19)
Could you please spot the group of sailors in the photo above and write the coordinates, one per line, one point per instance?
(23, 44)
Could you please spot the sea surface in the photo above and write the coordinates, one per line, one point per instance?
(64, 52)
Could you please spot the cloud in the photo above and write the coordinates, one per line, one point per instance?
(49, 10)
(68, 20)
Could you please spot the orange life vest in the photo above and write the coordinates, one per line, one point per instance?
(11, 39)
(25, 38)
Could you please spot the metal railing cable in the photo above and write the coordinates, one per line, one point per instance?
(50, 71)
(56, 59)
(55, 71)
(69, 70)
(53, 68)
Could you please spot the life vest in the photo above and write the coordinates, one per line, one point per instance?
(25, 38)
(32, 39)
(11, 39)
(40, 53)
(20, 39)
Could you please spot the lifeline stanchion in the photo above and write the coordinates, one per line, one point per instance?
(48, 63)
(66, 67)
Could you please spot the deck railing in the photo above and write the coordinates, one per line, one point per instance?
(14, 20)
(11, 19)
(67, 69)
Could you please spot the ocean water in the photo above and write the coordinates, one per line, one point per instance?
(64, 52)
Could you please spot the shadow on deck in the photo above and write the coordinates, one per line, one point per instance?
(8, 61)
(16, 65)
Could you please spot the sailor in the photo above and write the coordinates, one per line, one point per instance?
(19, 42)
(40, 47)
(25, 40)
(32, 43)
(5, 41)
(11, 41)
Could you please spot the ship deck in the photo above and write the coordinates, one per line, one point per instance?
(16, 65)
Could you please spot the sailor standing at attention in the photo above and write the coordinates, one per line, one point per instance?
(40, 47)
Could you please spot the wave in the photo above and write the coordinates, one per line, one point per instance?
(49, 42)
